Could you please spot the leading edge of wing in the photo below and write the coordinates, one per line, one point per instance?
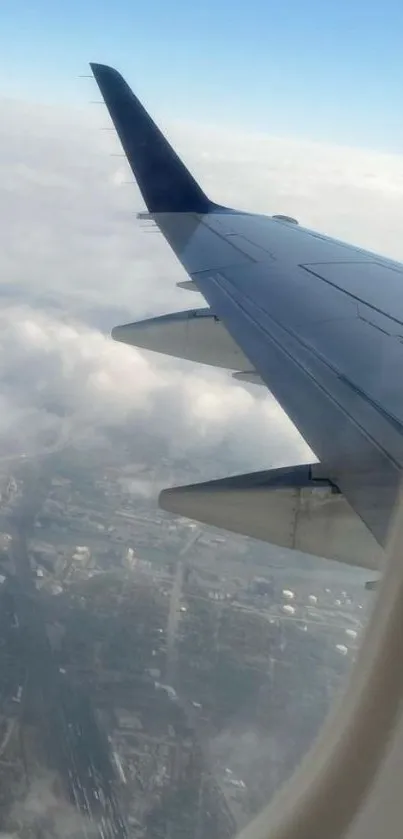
(164, 181)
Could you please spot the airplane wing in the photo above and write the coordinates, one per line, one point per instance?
(319, 322)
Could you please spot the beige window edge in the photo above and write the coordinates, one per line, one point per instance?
(351, 782)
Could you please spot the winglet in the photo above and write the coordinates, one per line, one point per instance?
(164, 182)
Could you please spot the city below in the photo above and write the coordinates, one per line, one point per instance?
(158, 678)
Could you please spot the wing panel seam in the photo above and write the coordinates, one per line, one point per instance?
(306, 372)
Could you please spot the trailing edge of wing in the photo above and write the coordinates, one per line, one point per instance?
(294, 507)
(165, 183)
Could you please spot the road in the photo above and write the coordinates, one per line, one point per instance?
(174, 616)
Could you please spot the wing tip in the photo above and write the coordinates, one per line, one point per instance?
(100, 69)
(164, 181)
(108, 76)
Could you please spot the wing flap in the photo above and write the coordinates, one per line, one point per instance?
(294, 508)
(194, 334)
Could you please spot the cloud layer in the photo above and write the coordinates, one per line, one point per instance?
(75, 261)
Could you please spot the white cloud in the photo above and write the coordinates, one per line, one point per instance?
(74, 262)
(65, 383)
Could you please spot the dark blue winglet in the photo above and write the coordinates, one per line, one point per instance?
(165, 183)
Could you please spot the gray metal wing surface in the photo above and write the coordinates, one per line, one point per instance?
(320, 322)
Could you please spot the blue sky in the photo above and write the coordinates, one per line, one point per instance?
(330, 70)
